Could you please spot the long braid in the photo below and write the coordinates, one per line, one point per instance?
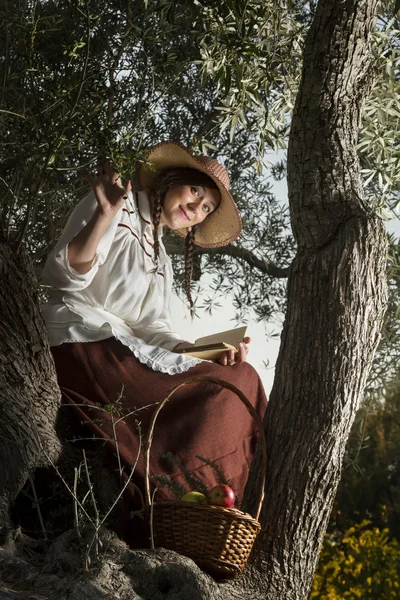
(157, 209)
(189, 243)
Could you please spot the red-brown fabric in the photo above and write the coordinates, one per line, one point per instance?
(200, 419)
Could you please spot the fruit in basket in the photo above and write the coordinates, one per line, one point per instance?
(221, 495)
(195, 497)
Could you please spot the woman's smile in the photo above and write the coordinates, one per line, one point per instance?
(184, 214)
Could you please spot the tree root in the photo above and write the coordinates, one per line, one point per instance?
(66, 572)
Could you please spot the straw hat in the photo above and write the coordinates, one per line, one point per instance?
(224, 224)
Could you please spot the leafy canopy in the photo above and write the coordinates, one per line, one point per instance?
(83, 77)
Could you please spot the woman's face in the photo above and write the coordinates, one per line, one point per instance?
(188, 205)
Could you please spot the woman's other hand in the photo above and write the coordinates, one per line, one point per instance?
(230, 357)
(108, 189)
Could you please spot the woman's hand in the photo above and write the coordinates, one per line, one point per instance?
(110, 196)
(108, 189)
(230, 357)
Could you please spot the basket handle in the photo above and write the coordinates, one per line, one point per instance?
(250, 409)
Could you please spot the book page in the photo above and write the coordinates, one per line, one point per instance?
(232, 337)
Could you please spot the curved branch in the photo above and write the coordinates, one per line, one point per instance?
(261, 264)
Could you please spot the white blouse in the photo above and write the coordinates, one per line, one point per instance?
(121, 296)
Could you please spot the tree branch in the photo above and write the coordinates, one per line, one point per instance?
(261, 264)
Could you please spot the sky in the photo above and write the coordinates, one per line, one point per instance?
(263, 347)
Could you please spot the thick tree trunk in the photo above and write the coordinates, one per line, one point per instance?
(336, 301)
(29, 394)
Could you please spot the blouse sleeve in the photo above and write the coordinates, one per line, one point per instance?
(159, 333)
(57, 271)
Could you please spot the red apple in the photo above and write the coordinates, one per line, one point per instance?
(221, 495)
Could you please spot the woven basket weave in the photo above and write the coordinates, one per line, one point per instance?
(218, 539)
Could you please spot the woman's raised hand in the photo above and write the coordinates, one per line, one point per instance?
(108, 189)
(230, 357)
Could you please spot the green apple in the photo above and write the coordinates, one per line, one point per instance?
(195, 497)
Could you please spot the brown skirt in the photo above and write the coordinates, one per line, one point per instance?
(202, 419)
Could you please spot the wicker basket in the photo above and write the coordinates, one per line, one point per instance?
(218, 539)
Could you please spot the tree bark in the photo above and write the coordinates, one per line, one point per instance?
(336, 300)
(29, 394)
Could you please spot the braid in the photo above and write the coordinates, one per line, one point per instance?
(165, 180)
(157, 208)
(189, 243)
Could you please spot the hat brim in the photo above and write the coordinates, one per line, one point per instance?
(224, 224)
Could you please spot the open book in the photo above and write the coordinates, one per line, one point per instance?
(211, 347)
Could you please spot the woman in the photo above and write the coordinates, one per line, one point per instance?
(109, 324)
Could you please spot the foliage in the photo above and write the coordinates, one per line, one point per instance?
(378, 147)
(370, 484)
(253, 51)
(84, 76)
(88, 76)
(364, 563)
(361, 553)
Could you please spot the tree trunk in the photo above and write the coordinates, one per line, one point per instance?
(29, 394)
(336, 300)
